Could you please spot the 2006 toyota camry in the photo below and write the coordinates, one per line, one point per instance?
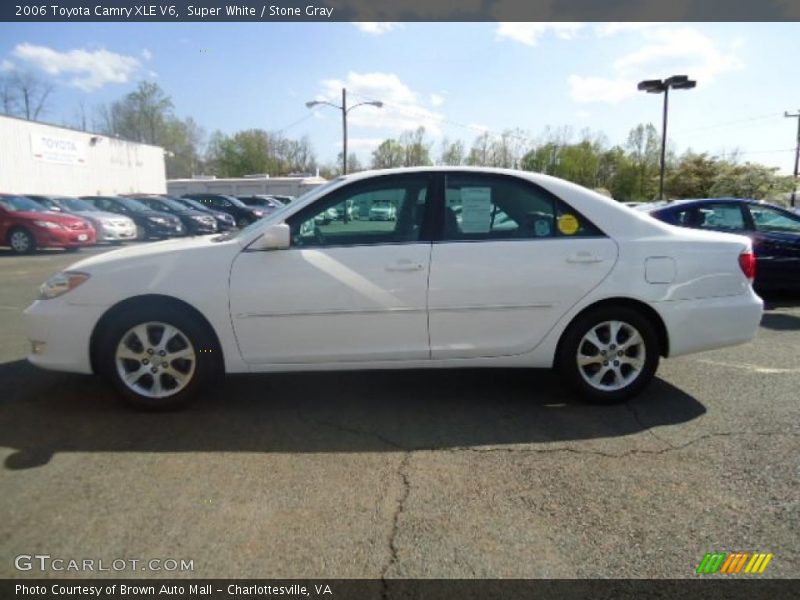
(480, 268)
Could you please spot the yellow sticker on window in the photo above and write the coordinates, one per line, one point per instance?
(568, 224)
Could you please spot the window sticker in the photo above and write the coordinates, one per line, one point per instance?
(541, 228)
(476, 209)
(568, 224)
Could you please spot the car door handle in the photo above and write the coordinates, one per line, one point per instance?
(584, 258)
(404, 265)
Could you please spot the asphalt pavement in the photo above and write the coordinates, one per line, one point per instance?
(425, 474)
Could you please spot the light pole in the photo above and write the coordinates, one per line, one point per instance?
(796, 154)
(345, 109)
(657, 86)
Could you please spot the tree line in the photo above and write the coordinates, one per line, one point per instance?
(627, 172)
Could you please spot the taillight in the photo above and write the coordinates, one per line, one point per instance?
(747, 261)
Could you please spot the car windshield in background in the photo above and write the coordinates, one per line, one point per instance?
(134, 205)
(192, 204)
(20, 204)
(74, 204)
(167, 204)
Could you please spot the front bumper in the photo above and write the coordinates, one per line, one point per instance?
(64, 238)
(168, 230)
(62, 332)
(112, 233)
(709, 323)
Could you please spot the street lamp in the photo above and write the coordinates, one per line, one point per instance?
(345, 109)
(657, 86)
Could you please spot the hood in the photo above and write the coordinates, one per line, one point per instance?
(160, 250)
(55, 217)
(153, 213)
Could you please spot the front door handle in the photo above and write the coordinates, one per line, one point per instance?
(404, 265)
(584, 258)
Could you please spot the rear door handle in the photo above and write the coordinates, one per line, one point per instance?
(404, 265)
(584, 258)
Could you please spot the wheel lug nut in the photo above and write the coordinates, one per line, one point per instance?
(149, 350)
(154, 370)
(162, 353)
(145, 361)
(616, 363)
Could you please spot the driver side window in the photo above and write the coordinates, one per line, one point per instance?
(388, 211)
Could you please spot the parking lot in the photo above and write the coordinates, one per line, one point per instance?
(453, 474)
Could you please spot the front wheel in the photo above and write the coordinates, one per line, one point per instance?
(21, 241)
(609, 354)
(158, 359)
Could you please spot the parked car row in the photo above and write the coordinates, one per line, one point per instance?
(32, 221)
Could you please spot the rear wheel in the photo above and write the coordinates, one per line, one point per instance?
(158, 358)
(609, 354)
(21, 241)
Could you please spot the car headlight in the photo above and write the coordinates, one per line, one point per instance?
(200, 218)
(60, 284)
(159, 220)
(258, 213)
(47, 224)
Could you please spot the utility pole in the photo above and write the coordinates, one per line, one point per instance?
(796, 154)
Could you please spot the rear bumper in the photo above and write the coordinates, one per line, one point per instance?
(62, 332)
(709, 323)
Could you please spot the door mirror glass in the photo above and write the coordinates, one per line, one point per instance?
(276, 237)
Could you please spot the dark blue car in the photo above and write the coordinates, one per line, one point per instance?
(775, 232)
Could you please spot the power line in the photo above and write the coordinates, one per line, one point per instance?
(729, 123)
(293, 123)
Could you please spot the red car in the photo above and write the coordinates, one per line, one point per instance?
(26, 225)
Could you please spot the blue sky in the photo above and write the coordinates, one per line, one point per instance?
(453, 78)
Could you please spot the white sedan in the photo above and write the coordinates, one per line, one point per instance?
(481, 268)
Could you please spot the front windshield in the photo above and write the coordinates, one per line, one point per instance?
(75, 204)
(167, 205)
(277, 216)
(20, 204)
(236, 201)
(134, 205)
(192, 203)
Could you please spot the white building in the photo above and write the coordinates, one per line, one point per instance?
(244, 186)
(37, 158)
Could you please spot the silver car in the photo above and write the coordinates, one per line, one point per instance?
(110, 227)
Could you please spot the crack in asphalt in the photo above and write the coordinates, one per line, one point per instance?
(401, 502)
(645, 427)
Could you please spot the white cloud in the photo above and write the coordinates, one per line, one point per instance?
(583, 114)
(90, 69)
(437, 99)
(6, 66)
(146, 54)
(667, 51)
(607, 29)
(402, 110)
(377, 28)
(529, 33)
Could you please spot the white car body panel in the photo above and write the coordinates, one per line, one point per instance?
(367, 307)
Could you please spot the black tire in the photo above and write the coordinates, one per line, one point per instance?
(142, 234)
(241, 222)
(207, 356)
(21, 241)
(615, 370)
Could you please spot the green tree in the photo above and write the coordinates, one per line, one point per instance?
(389, 154)
(452, 153)
(749, 181)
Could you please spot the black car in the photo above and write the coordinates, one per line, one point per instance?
(225, 222)
(775, 232)
(283, 199)
(149, 223)
(267, 203)
(195, 222)
(243, 214)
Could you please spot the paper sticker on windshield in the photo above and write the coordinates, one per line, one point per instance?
(476, 209)
(541, 228)
(568, 224)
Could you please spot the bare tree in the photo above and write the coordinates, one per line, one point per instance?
(32, 93)
(8, 97)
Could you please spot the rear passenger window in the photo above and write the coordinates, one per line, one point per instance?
(479, 207)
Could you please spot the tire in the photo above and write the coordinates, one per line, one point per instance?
(21, 241)
(142, 234)
(72, 249)
(195, 362)
(241, 222)
(632, 359)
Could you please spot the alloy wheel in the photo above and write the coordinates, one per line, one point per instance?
(611, 355)
(155, 359)
(20, 242)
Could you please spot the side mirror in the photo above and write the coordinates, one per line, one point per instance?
(275, 237)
